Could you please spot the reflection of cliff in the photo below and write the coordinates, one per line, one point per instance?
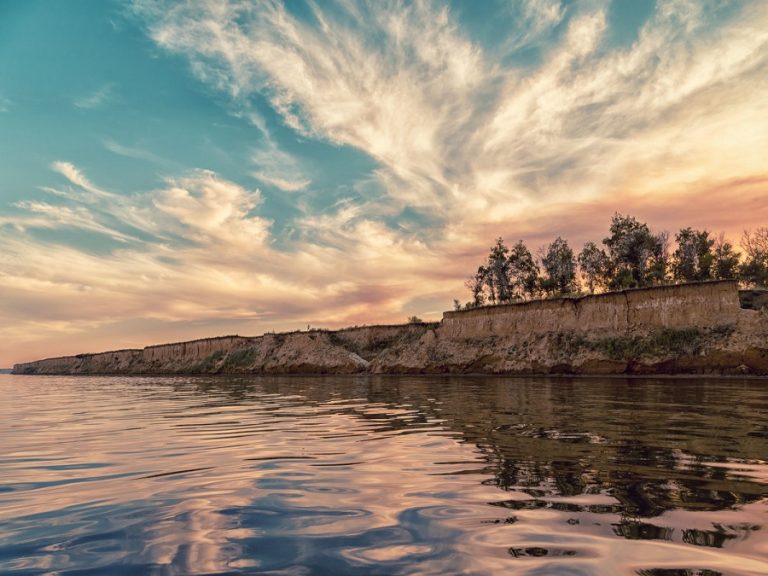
(662, 459)
(608, 451)
(653, 447)
(694, 328)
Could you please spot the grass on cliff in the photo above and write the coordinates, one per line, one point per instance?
(239, 358)
(208, 363)
(378, 345)
(658, 343)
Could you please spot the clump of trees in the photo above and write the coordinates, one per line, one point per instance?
(631, 256)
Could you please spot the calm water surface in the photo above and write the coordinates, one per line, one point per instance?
(383, 476)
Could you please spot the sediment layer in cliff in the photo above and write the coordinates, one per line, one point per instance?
(692, 328)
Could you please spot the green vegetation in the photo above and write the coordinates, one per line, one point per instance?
(239, 358)
(659, 343)
(633, 257)
(723, 330)
(208, 363)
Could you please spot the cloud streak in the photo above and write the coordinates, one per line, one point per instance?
(277, 168)
(96, 99)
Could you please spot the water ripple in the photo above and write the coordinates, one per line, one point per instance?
(355, 475)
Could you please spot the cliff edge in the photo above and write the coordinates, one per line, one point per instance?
(702, 328)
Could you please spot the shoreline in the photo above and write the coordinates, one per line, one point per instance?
(436, 375)
(699, 329)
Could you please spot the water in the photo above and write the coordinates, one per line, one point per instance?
(391, 475)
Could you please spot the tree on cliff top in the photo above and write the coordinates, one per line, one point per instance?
(476, 285)
(754, 269)
(498, 273)
(559, 264)
(524, 273)
(693, 260)
(726, 260)
(637, 256)
(595, 267)
(507, 275)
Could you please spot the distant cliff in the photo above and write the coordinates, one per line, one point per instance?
(692, 328)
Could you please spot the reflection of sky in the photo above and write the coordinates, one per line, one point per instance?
(405, 475)
(180, 170)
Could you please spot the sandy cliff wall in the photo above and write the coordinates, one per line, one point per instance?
(693, 328)
(703, 304)
(318, 351)
(193, 350)
(135, 360)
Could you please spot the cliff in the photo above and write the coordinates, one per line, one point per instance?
(706, 327)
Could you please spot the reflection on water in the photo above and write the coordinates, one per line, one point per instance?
(383, 476)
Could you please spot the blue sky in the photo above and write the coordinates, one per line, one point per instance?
(191, 168)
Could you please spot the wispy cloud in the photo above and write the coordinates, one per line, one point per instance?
(461, 137)
(282, 183)
(533, 21)
(76, 177)
(96, 99)
(45, 215)
(135, 152)
(277, 168)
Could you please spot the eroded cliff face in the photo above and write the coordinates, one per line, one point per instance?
(694, 328)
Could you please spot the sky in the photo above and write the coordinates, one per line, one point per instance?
(182, 169)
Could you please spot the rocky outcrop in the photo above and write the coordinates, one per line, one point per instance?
(694, 328)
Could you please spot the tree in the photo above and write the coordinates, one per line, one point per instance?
(476, 285)
(693, 259)
(595, 266)
(726, 260)
(498, 273)
(659, 263)
(633, 251)
(508, 275)
(559, 266)
(523, 272)
(754, 269)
